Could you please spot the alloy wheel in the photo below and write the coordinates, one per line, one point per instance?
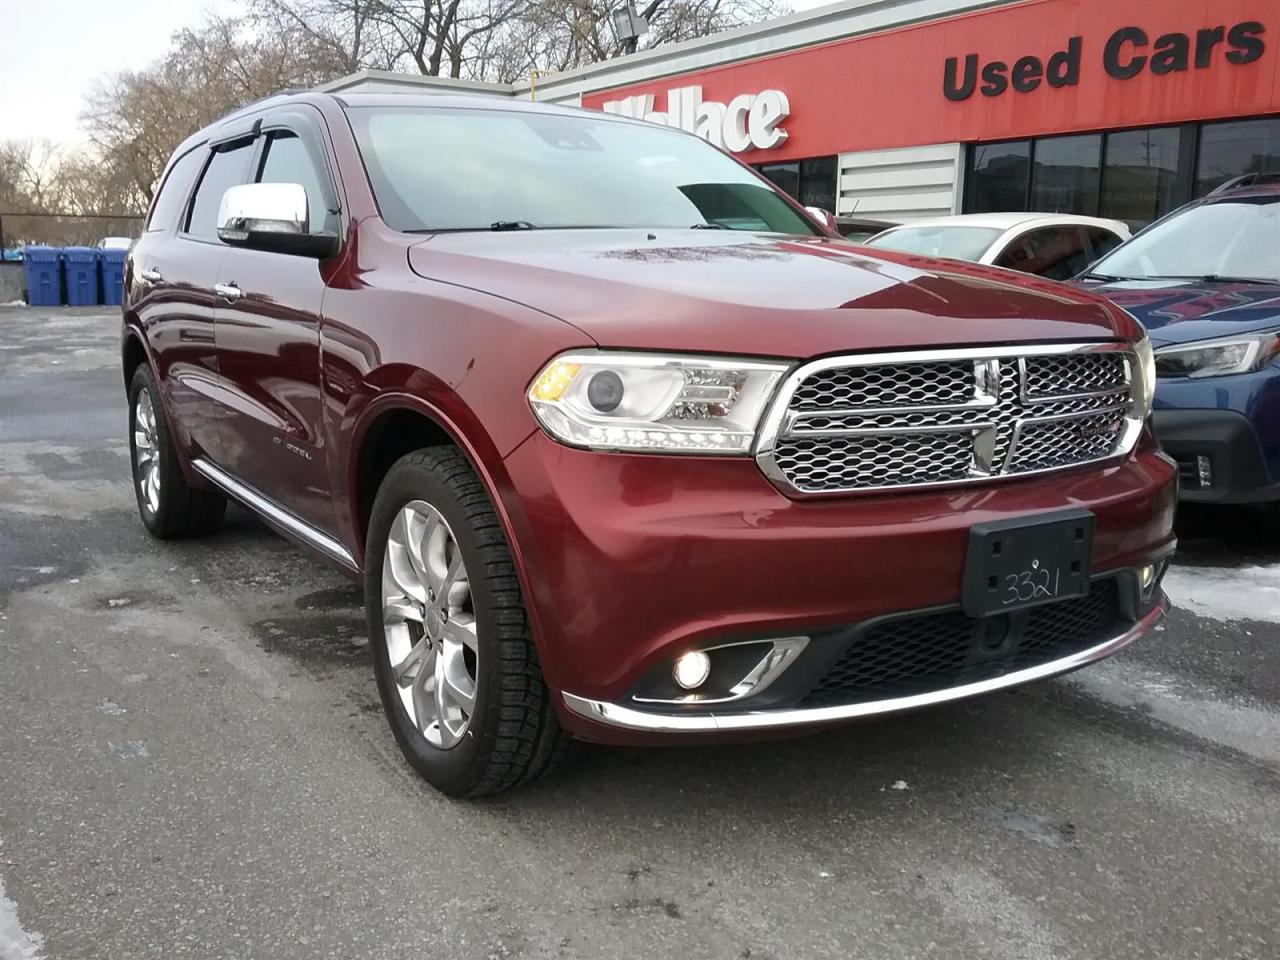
(430, 626)
(146, 451)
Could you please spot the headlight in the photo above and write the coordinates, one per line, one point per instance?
(1214, 358)
(1144, 378)
(658, 402)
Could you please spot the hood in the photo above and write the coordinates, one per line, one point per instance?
(721, 292)
(1186, 311)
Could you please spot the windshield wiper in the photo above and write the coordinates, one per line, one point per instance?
(1106, 277)
(1219, 278)
(511, 225)
(708, 226)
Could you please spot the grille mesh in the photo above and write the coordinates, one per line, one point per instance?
(850, 462)
(824, 446)
(1076, 373)
(908, 384)
(928, 652)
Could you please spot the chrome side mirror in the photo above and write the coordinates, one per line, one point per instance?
(824, 217)
(273, 217)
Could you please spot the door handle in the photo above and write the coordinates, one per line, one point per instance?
(152, 276)
(227, 291)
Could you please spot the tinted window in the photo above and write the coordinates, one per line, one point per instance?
(785, 176)
(288, 160)
(1230, 149)
(998, 180)
(818, 183)
(1054, 252)
(227, 167)
(173, 192)
(958, 243)
(1102, 241)
(812, 182)
(1139, 179)
(467, 169)
(1238, 238)
(1064, 178)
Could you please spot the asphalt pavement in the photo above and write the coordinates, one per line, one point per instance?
(193, 762)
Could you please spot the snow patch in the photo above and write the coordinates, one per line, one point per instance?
(1226, 593)
(16, 943)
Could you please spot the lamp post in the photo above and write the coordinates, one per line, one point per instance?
(629, 26)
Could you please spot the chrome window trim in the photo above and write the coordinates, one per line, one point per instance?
(629, 718)
(778, 417)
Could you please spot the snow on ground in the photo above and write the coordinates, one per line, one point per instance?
(16, 943)
(1226, 593)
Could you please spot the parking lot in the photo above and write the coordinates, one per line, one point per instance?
(193, 762)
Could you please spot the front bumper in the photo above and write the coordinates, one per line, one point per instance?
(1220, 457)
(622, 716)
(629, 560)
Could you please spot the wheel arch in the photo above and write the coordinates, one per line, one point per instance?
(133, 353)
(398, 423)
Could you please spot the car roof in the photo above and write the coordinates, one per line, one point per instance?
(1258, 190)
(1007, 221)
(467, 101)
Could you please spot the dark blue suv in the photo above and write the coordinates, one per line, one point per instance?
(1205, 281)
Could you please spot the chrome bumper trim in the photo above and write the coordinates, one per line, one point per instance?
(629, 718)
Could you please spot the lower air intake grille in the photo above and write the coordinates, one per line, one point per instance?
(922, 653)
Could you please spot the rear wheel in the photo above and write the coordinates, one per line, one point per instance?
(456, 666)
(168, 506)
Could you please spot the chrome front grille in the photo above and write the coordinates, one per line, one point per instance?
(887, 421)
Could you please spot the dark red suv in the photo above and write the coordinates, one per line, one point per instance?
(624, 446)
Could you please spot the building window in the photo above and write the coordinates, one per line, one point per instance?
(1064, 174)
(1140, 174)
(998, 176)
(812, 182)
(1132, 175)
(1235, 148)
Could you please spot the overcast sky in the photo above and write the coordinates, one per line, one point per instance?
(52, 51)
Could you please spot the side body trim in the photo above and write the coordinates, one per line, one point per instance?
(274, 513)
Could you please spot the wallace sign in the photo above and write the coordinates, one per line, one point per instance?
(1127, 52)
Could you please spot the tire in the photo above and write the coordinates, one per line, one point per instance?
(171, 509)
(434, 536)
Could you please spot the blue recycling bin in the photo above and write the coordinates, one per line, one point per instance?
(42, 267)
(113, 276)
(80, 267)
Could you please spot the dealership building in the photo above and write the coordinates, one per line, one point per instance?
(901, 109)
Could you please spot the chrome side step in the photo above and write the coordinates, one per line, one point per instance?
(274, 513)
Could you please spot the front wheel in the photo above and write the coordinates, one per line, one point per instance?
(456, 666)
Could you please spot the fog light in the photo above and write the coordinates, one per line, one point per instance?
(1148, 576)
(691, 669)
(1204, 471)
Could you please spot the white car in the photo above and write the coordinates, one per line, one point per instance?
(1054, 245)
(115, 243)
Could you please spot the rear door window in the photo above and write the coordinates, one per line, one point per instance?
(228, 167)
(1058, 253)
(175, 189)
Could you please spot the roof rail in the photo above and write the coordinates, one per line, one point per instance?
(1246, 180)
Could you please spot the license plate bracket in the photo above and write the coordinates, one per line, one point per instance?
(1027, 561)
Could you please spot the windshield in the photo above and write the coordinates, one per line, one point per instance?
(1224, 238)
(958, 243)
(481, 169)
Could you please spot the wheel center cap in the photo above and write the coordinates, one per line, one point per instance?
(432, 622)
